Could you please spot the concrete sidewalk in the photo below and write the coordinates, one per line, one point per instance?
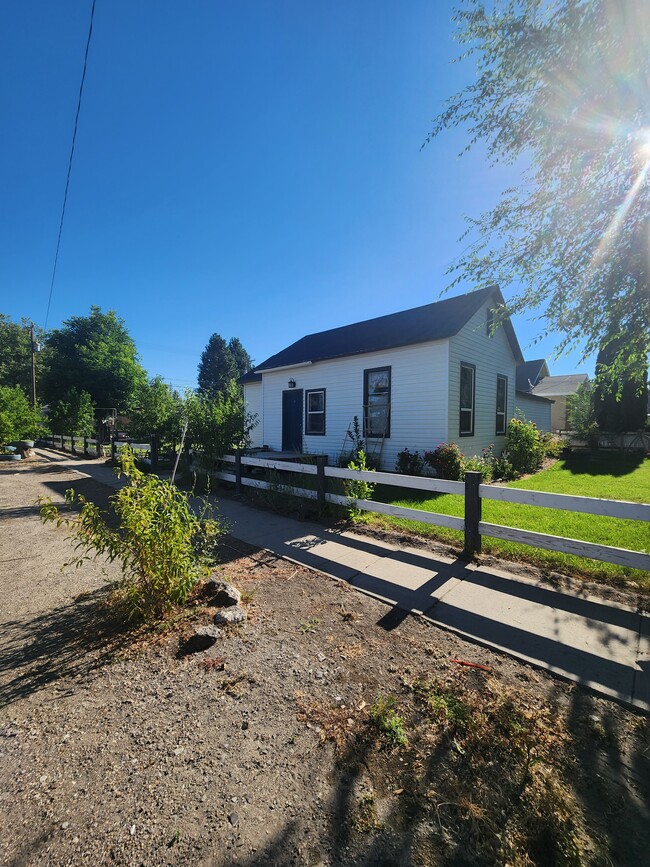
(601, 645)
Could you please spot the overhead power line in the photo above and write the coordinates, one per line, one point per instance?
(74, 138)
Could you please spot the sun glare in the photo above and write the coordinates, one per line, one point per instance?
(643, 143)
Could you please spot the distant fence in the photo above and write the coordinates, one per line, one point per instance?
(76, 445)
(473, 491)
(147, 451)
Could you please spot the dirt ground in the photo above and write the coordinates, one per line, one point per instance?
(271, 747)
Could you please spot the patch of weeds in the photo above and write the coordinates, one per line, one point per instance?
(335, 723)
(365, 817)
(443, 704)
(384, 716)
(237, 685)
(248, 596)
(309, 624)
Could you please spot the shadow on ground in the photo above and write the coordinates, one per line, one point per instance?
(73, 639)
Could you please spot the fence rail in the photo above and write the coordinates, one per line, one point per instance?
(76, 445)
(473, 492)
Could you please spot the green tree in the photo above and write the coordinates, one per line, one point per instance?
(96, 354)
(241, 359)
(221, 363)
(16, 354)
(157, 408)
(581, 417)
(18, 419)
(217, 424)
(73, 413)
(561, 89)
(626, 408)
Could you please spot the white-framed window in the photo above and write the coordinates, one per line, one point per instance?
(467, 399)
(502, 404)
(315, 412)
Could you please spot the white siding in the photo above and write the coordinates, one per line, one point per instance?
(491, 356)
(253, 399)
(418, 399)
(534, 410)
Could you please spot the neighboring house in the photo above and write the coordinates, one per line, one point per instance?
(558, 389)
(531, 406)
(414, 379)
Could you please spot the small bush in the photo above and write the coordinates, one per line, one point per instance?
(18, 419)
(410, 463)
(552, 445)
(503, 470)
(446, 460)
(164, 548)
(357, 489)
(482, 464)
(524, 447)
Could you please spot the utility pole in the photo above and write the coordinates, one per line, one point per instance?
(31, 336)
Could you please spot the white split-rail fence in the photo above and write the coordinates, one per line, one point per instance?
(473, 491)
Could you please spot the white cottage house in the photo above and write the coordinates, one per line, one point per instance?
(432, 374)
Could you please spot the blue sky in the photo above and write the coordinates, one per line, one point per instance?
(249, 168)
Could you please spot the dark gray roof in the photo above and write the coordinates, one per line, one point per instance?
(530, 372)
(419, 325)
(534, 397)
(249, 377)
(560, 386)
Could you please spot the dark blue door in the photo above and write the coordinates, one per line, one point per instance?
(292, 420)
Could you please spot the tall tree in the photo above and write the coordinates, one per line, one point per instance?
(157, 409)
(221, 363)
(562, 88)
(95, 354)
(241, 359)
(16, 354)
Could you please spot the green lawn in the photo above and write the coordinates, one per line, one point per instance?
(614, 476)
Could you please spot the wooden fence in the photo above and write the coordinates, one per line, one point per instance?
(76, 445)
(473, 491)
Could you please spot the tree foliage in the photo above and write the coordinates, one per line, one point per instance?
(221, 363)
(217, 424)
(73, 413)
(157, 408)
(96, 354)
(18, 419)
(562, 88)
(16, 354)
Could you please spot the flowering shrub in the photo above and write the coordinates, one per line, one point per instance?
(447, 460)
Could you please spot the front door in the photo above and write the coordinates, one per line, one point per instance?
(292, 420)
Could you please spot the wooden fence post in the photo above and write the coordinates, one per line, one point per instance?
(113, 450)
(72, 445)
(472, 514)
(238, 471)
(321, 461)
(98, 441)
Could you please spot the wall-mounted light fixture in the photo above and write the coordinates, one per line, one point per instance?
(292, 383)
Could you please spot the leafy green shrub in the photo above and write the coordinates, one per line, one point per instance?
(524, 447)
(479, 464)
(73, 413)
(410, 463)
(217, 424)
(358, 489)
(552, 444)
(388, 721)
(164, 548)
(502, 469)
(446, 460)
(18, 419)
